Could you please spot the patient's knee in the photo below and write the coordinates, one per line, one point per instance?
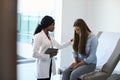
(73, 76)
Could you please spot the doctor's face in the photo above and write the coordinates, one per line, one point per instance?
(51, 27)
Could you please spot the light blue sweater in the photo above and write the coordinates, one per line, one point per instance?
(91, 47)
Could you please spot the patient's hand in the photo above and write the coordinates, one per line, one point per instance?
(73, 65)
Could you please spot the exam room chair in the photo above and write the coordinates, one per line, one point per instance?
(112, 40)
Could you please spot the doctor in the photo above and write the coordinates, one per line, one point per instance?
(43, 41)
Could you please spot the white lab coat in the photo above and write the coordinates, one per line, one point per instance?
(40, 45)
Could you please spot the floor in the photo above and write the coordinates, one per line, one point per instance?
(27, 71)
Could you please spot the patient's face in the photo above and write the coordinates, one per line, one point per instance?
(77, 30)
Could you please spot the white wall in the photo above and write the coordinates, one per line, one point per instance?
(100, 15)
(103, 15)
(35, 7)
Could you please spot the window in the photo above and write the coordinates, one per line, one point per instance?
(29, 14)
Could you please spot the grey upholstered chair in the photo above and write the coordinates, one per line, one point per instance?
(109, 66)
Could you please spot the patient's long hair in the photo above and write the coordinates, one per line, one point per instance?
(80, 41)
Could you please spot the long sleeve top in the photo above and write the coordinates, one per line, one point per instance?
(91, 48)
(42, 43)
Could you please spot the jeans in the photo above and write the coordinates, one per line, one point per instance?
(70, 74)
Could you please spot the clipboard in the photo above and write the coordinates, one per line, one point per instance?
(51, 50)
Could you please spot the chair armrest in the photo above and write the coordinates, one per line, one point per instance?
(96, 75)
